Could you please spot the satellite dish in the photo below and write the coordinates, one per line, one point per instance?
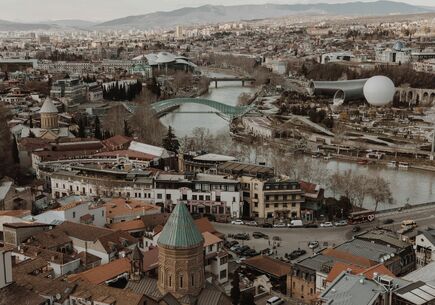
(379, 90)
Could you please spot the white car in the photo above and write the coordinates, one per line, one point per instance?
(341, 223)
(326, 224)
(237, 222)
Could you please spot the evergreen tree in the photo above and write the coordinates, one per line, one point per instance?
(235, 290)
(97, 133)
(31, 122)
(247, 299)
(82, 128)
(127, 131)
(15, 153)
(170, 141)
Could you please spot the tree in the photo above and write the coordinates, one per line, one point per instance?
(15, 152)
(5, 143)
(247, 299)
(127, 131)
(170, 141)
(235, 289)
(202, 139)
(30, 122)
(82, 128)
(379, 190)
(97, 132)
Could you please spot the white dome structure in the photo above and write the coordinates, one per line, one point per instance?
(379, 90)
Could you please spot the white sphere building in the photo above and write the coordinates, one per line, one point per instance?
(379, 90)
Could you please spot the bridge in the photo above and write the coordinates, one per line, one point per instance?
(231, 79)
(224, 110)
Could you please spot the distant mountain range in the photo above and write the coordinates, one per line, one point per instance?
(218, 13)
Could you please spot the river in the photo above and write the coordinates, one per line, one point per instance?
(407, 186)
(184, 123)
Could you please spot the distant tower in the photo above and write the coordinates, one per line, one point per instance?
(181, 258)
(48, 112)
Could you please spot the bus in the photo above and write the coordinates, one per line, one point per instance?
(361, 216)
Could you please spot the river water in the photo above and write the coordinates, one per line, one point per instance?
(184, 123)
(407, 186)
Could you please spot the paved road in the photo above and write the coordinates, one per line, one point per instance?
(293, 238)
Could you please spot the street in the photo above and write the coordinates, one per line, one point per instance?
(294, 238)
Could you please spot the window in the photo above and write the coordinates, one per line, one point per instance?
(207, 197)
(192, 280)
(194, 197)
(102, 213)
(181, 281)
(201, 197)
(170, 281)
(218, 198)
(275, 205)
(223, 274)
(74, 214)
(159, 196)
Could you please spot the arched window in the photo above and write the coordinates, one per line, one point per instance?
(181, 281)
(192, 280)
(170, 281)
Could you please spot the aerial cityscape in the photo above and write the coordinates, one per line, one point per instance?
(217, 152)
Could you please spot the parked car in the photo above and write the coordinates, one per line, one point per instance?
(240, 260)
(237, 222)
(241, 236)
(252, 223)
(267, 225)
(297, 253)
(260, 235)
(297, 223)
(388, 221)
(340, 223)
(311, 225)
(249, 253)
(356, 229)
(242, 249)
(232, 243)
(280, 225)
(235, 247)
(274, 301)
(313, 244)
(326, 224)
(276, 238)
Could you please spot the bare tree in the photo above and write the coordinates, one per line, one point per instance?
(114, 120)
(379, 190)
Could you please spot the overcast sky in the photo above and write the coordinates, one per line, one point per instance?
(101, 10)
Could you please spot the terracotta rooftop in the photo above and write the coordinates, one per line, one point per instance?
(104, 272)
(15, 213)
(210, 239)
(339, 267)
(121, 206)
(268, 265)
(106, 294)
(136, 224)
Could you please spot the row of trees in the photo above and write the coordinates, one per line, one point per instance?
(122, 92)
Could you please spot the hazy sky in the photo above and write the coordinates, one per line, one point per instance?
(100, 10)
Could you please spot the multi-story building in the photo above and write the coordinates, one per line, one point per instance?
(272, 198)
(202, 193)
(72, 90)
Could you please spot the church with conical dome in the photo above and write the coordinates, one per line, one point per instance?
(49, 129)
(181, 278)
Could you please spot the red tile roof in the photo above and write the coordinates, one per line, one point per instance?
(347, 257)
(104, 272)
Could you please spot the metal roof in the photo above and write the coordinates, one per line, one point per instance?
(180, 230)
